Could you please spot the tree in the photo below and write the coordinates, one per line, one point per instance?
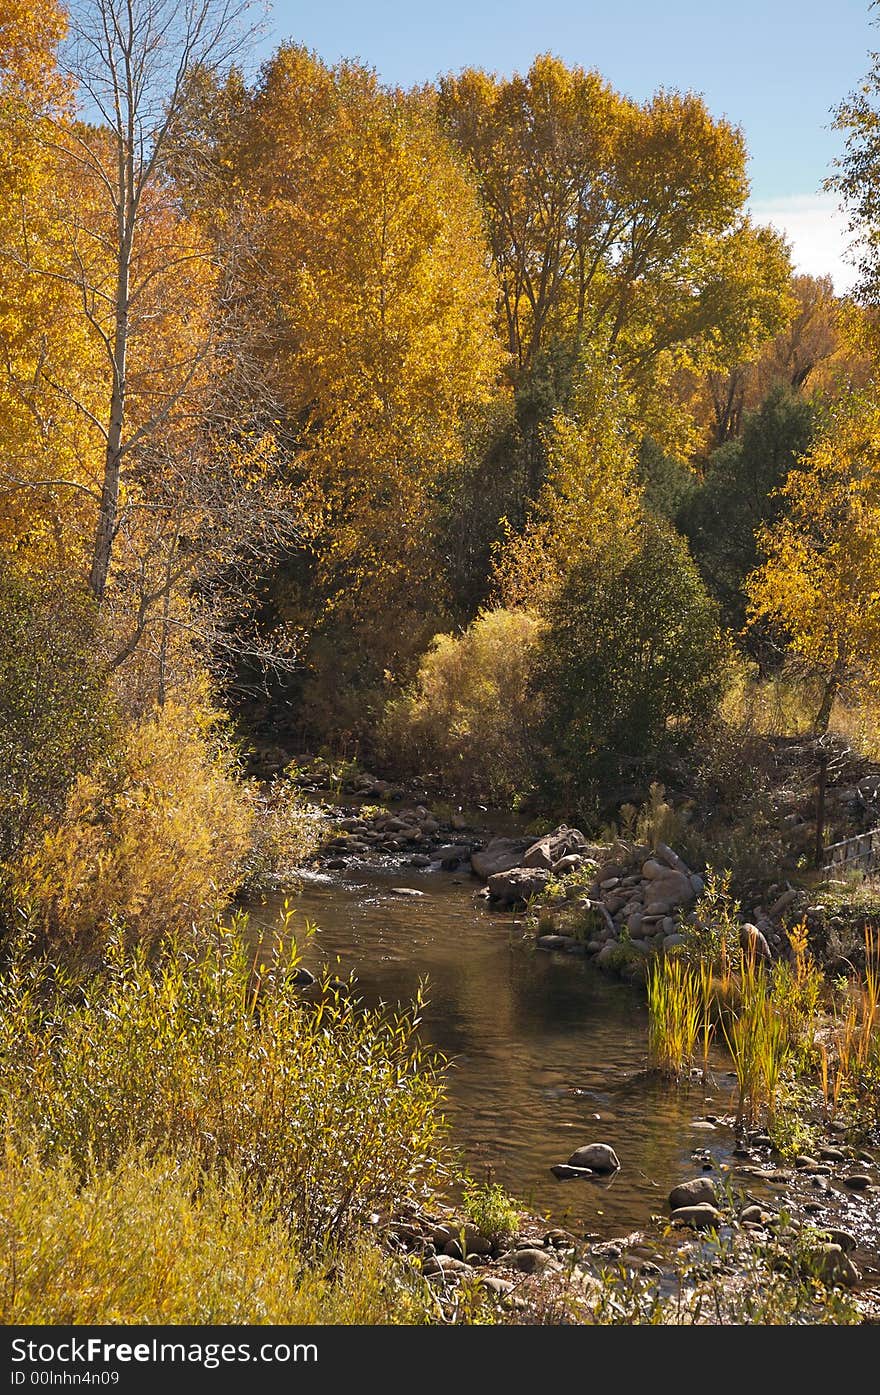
(858, 178)
(739, 493)
(377, 293)
(614, 224)
(590, 498)
(132, 60)
(820, 583)
(631, 661)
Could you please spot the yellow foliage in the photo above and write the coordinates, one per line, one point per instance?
(156, 1242)
(381, 299)
(589, 502)
(154, 843)
(470, 711)
(820, 583)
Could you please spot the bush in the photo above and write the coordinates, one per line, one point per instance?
(470, 714)
(154, 840)
(325, 1113)
(632, 660)
(55, 715)
(152, 1241)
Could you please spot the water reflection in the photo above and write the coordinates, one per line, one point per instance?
(546, 1053)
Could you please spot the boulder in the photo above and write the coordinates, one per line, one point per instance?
(451, 854)
(500, 855)
(694, 1193)
(518, 885)
(550, 849)
(701, 1217)
(532, 1261)
(600, 1157)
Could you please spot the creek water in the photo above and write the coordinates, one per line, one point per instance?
(546, 1052)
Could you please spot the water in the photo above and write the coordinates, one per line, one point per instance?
(546, 1052)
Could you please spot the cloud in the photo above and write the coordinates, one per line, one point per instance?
(816, 231)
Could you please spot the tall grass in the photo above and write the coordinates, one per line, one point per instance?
(210, 1056)
(154, 1240)
(674, 1014)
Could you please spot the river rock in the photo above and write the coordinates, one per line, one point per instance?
(563, 1172)
(405, 891)
(500, 855)
(857, 1182)
(451, 854)
(531, 1261)
(546, 852)
(498, 1287)
(753, 942)
(600, 1157)
(550, 942)
(694, 1193)
(518, 885)
(833, 1265)
(701, 1217)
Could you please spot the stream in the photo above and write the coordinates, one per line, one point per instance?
(546, 1052)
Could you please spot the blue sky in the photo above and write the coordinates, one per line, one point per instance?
(774, 67)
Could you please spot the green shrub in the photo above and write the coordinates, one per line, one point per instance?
(492, 1210)
(326, 1112)
(632, 660)
(55, 714)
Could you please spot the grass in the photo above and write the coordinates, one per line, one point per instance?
(783, 1029)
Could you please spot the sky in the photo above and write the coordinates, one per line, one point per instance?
(777, 68)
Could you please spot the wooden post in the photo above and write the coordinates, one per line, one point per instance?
(820, 807)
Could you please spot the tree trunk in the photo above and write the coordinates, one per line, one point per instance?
(109, 510)
(823, 716)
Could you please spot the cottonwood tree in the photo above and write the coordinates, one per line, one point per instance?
(132, 62)
(820, 583)
(180, 493)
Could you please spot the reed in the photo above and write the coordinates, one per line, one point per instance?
(674, 1014)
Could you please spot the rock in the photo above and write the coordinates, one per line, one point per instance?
(500, 855)
(753, 942)
(551, 942)
(547, 851)
(563, 1172)
(570, 863)
(453, 1249)
(498, 1287)
(405, 891)
(754, 1215)
(701, 1217)
(607, 953)
(857, 1182)
(458, 822)
(834, 1266)
(842, 1238)
(451, 854)
(783, 902)
(672, 941)
(600, 1157)
(665, 855)
(693, 1193)
(518, 885)
(828, 1154)
(532, 1261)
(802, 1162)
